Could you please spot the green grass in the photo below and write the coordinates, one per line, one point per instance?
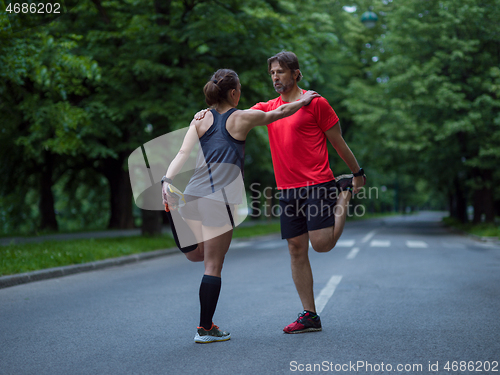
(482, 230)
(257, 230)
(36, 256)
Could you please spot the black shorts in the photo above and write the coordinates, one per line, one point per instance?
(307, 208)
(210, 212)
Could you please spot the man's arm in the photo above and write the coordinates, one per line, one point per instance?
(252, 118)
(334, 135)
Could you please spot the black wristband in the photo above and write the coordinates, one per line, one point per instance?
(165, 179)
(359, 173)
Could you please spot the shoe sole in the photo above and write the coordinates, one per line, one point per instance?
(304, 330)
(208, 339)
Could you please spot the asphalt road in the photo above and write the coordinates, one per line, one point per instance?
(399, 295)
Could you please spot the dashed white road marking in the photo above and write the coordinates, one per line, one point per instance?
(237, 245)
(380, 243)
(271, 245)
(369, 236)
(340, 243)
(327, 292)
(345, 243)
(352, 254)
(417, 244)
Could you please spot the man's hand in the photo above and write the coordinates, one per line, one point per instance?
(309, 95)
(358, 183)
(201, 114)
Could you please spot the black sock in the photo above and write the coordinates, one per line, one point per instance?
(209, 295)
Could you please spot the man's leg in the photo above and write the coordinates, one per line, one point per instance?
(325, 239)
(301, 270)
(308, 320)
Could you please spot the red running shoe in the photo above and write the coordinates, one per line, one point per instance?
(305, 323)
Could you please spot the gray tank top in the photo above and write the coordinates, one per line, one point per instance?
(219, 164)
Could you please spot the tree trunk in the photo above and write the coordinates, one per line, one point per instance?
(46, 203)
(484, 203)
(478, 206)
(489, 205)
(459, 202)
(120, 194)
(151, 222)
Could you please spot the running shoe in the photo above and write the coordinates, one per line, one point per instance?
(344, 182)
(305, 323)
(212, 335)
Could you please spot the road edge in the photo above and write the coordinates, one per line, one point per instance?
(51, 273)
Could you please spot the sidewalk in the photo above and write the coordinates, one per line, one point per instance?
(75, 236)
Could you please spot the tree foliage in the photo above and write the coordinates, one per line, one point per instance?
(417, 95)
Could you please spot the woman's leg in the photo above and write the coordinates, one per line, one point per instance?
(215, 250)
(197, 255)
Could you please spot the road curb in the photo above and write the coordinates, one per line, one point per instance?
(50, 273)
(475, 237)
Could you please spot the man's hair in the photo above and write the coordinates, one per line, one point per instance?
(216, 89)
(287, 60)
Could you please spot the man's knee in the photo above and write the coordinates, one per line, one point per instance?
(298, 246)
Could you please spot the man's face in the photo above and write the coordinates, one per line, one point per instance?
(283, 79)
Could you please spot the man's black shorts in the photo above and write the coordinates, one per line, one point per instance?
(307, 208)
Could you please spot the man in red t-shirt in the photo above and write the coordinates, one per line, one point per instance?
(313, 205)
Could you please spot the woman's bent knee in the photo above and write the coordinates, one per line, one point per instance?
(196, 255)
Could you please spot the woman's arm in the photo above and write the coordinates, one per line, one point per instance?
(187, 145)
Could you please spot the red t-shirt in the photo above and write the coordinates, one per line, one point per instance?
(298, 143)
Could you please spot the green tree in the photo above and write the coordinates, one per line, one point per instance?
(432, 101)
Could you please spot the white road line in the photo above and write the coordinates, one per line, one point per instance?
(342, 243)
(369, 236)
(417, 244)
(270, 245)
(237, 245)
(326, 293)
(352, 254)
(345, 243)
(380, 243)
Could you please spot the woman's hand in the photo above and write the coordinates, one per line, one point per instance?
(309, 95)
(172, 197)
